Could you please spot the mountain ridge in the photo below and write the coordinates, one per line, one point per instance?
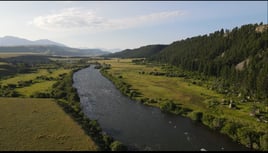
(17, 41)
(11, 44)
(141, 52)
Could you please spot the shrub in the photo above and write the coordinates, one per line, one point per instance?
(197, 116)
(167, 106)
(264, 142)
(218, 123)
(117, 146)
(230, 128)
(107, 140)
(247, 137)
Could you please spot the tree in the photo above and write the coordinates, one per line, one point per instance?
(117, 146)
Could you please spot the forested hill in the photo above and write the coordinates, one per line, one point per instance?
(142, 52)
(237, 57)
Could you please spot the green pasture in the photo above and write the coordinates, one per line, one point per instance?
(39, 125)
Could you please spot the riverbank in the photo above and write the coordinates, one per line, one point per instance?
(178, 96)
(68, 98)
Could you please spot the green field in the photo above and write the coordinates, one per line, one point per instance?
(174, 88)
(31, 122)
(39, 124)
(32, 76)
(185, 94)
(44, 87)
(15, 54)
(157, 87)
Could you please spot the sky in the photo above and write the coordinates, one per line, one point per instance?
(122, 25)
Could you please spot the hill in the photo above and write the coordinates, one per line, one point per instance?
(11, 44)
(52, 50)
(142, 52)
(238, 58)
(15, 41)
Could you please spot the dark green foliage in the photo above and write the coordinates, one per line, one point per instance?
(171, 107)
(167, 106)
(230, 128)
(264, 141)
(117, 146)
(25, 61)
(197, 116)
(247, 137)
(9, 91)
(218, 54)
(41, 95)
(108, 140)
(142, 52)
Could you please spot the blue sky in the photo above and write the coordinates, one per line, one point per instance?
(118, 24)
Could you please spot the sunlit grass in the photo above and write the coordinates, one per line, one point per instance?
(34, 75)
(39, 124)
(177, 89)
(24, 77)
(44, 87)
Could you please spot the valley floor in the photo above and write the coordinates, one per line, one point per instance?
(180, 96)
(39, 124)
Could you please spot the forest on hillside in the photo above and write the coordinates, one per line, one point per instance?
(237, 58)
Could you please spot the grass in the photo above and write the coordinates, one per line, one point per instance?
(177, 89)
(15, 54)
(32, 76)
(24, 77)
(3, 63)
(44, 87)
(58, 72)
(39, 124)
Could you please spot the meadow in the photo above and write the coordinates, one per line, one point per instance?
(40, 81)
(176, 94)
(36, 124)
(16, 54)
(31, 123)
(39, 125)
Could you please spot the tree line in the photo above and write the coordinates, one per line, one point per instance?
(238, 58)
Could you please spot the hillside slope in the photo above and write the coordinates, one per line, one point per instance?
(142, 52)
(237, 57)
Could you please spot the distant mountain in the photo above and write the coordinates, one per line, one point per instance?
(142, 52)
(12, 44)
(48, 42)
(15, 41)
(52, 50)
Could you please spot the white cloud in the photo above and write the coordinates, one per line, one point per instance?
(75, 18)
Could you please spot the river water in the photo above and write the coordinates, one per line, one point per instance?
(141, 127)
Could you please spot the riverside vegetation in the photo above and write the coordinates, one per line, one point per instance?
(31, 79)
(219, 79)
(182, 93)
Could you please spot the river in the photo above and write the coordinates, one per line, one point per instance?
(141, 127)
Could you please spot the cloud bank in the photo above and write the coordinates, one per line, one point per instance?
(75, 18)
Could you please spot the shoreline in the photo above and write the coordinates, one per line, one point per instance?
(204, 118)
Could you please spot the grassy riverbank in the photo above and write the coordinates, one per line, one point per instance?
(186, 96)
(46, 113)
